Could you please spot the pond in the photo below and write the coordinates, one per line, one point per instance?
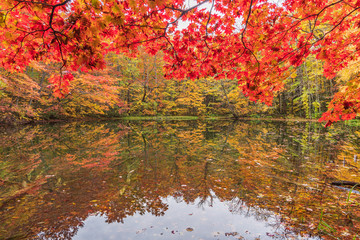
(179, 180)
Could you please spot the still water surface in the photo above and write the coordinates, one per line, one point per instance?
(179, 180)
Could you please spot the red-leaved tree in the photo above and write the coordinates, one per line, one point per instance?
(254, 42)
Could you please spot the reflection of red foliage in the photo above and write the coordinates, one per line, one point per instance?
(141, 167)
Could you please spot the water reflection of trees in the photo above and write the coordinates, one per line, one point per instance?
(54, 177)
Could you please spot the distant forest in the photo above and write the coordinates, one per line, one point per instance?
(137, 87)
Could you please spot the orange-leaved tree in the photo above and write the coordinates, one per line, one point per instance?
(254, 42)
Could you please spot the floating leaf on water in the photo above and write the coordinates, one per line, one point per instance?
(231, 234)
(121, 192)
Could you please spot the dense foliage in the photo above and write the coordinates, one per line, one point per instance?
(136, 86)
(257, 44)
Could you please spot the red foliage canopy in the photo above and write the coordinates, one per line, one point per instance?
(255, 42)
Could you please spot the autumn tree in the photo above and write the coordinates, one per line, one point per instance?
(254, 42)
(306, 92)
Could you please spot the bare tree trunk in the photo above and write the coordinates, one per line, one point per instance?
(231, 107)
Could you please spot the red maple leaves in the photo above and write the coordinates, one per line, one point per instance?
(253, 42)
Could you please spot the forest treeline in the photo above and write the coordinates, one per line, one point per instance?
(137, 87)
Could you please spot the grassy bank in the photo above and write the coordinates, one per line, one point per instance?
(174, 118)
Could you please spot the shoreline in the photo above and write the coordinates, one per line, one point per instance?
(154, 118)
